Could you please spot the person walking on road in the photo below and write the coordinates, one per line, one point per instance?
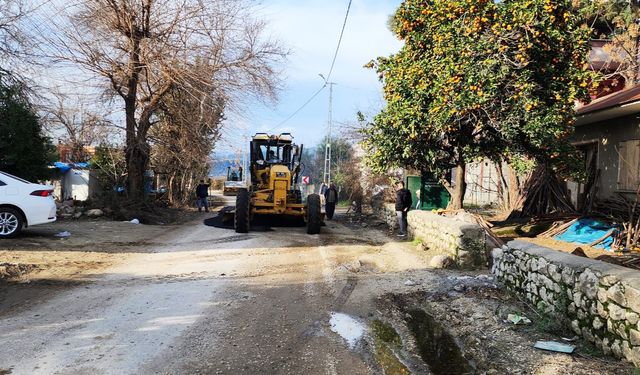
(330, 198)
(202, 194)
(403, 204)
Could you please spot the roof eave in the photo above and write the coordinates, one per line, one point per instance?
(608, 113)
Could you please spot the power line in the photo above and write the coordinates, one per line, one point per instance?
(335, 55)
(299, 109)
(326, 80)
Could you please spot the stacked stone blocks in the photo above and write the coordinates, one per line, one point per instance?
(599, 301)
(461, 240)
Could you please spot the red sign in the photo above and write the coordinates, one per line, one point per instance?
(306, 180)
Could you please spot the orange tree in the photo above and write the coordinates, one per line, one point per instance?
(478, 78)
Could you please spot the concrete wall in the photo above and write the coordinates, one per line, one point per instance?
(608, 134)
(483, 183)
(599, 301)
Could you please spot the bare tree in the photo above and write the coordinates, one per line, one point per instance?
(187, 131)
(75, 124)
(144, 49)
(12, 39)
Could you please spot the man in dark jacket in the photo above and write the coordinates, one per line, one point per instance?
(202, 193)
(403, 204)
(330, 199)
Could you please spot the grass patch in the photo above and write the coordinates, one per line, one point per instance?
(551, 323)
(385, 332)
(588, 349)
(386, 338)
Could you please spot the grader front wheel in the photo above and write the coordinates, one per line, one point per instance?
(314, 214)
(243, 211)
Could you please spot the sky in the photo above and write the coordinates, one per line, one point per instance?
(310, 30)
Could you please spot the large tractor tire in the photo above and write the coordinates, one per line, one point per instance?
(314, 214)
(242, 217)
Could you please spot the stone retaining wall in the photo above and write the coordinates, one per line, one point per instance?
(388, 214)
(454, 236)
(463, 241)
(600, 301)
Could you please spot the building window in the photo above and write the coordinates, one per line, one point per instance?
(629, 165)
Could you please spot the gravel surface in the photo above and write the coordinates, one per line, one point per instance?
(197, 299)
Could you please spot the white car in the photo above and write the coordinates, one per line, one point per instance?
(23, 204)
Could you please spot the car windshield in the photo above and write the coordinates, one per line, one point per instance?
(15, 178)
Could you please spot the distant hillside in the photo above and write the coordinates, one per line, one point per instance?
(220, 163)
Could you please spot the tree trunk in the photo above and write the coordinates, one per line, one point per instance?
(457, 195)
(137, 154)
(515, 190)
(170, 189)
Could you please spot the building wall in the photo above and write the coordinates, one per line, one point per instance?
(608, 134)
(484, 184)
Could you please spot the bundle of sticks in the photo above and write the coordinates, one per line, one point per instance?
(558, 227)
(625, 210)
(491, 237)
(542, 193)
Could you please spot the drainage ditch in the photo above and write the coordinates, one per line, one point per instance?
(438, 349)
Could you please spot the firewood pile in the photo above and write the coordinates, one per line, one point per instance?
(542, 194)
(558, 227)
(626, 211)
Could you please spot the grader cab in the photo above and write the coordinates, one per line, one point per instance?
(275, 168)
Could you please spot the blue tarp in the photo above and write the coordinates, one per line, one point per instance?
(586, 231)
(65, 167)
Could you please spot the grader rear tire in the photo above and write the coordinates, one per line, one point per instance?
(314, 214)
(243, 211)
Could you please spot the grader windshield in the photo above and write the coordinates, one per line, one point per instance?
(274, 150)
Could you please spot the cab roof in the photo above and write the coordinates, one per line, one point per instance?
(280, 138)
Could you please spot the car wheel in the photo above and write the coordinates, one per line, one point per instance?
(11, 223)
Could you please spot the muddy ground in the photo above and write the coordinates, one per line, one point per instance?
(119, 298)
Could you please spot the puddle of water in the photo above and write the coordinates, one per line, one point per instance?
(350, 329)
(437, 348)
(386, 340)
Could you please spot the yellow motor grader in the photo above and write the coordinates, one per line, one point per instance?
(274, 169)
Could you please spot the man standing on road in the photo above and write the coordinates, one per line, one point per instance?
(403, 204)
(202, 193)
(330, 198)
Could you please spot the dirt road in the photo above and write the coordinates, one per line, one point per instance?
(204, 299)
(199, 299)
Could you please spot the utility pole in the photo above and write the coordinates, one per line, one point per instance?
(327, 151)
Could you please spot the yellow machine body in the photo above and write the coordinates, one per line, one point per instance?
(275, 168)
(274, 195)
